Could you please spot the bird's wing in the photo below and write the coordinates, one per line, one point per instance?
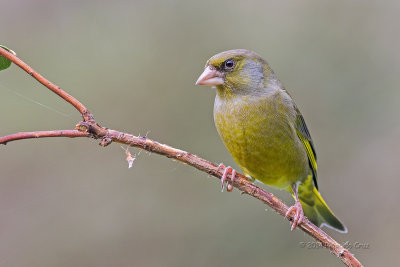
(305, 137)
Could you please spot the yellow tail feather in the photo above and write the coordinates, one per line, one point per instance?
(315, 208)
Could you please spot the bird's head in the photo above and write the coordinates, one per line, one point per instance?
(236, 71)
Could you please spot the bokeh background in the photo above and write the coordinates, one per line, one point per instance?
(70, 202)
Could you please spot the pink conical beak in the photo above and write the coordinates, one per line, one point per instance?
(210, 77)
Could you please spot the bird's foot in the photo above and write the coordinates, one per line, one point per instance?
(298, 217)
(228, 169)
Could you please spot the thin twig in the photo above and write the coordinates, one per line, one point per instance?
(41, 134)
(89, 128)
(56, 89)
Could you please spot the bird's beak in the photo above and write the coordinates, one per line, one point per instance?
(210, 77)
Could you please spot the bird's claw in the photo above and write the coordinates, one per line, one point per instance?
(298, 214)
(228, 169)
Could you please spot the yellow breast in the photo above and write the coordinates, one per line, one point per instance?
(259, 133)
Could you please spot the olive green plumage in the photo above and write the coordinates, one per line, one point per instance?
(264, 130)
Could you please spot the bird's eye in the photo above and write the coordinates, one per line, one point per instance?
(229, 64)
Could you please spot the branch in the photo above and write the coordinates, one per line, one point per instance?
(89, 128)
(56, 89)
(41, 134)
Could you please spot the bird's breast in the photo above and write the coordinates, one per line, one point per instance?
(259, 133)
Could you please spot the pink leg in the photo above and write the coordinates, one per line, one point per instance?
(297, 209)
(225, 174)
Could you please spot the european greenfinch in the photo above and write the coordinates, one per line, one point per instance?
(265, 133)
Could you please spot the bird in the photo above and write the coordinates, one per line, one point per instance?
(264, 131)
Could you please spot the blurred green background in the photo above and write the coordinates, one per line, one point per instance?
(70, 202)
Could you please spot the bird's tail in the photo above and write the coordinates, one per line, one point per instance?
(315, 208)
